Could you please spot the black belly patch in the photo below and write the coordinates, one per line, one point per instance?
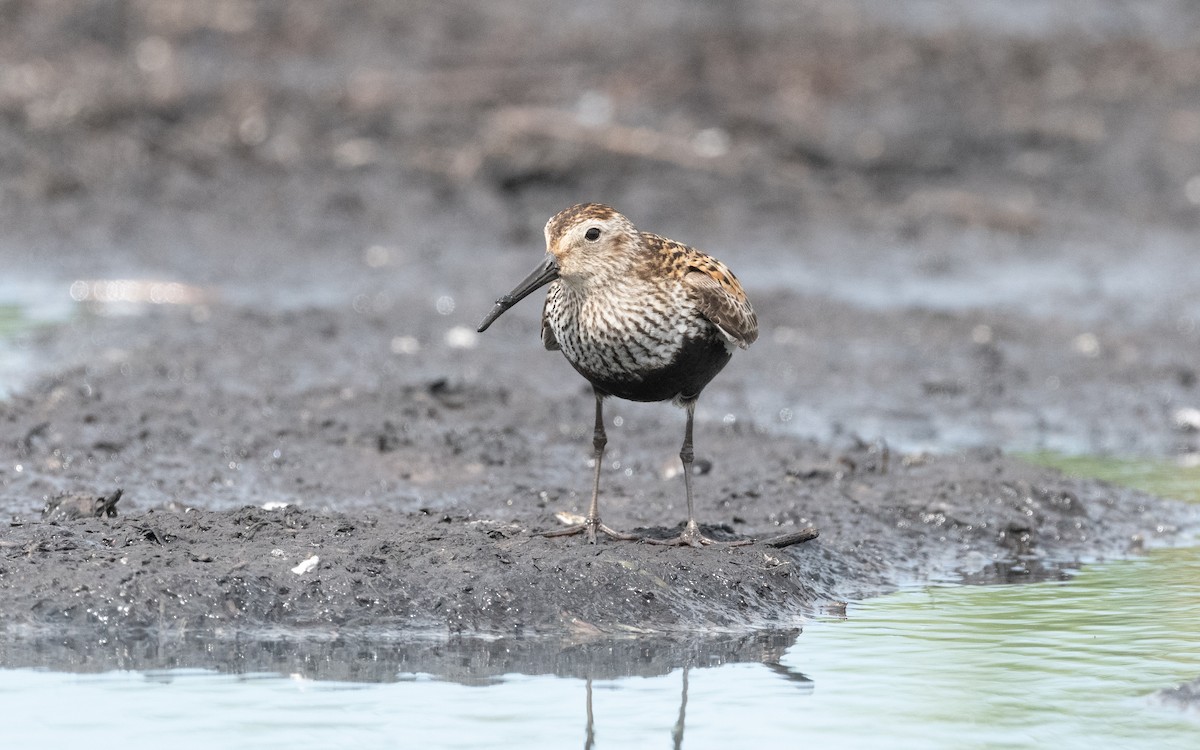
(697, 363)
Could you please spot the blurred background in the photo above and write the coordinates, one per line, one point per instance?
(1029, 168)
(199, 136)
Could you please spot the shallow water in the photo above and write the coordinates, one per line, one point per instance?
(15, 362)
(1179, 478)
(25, 305)
(1064, 664)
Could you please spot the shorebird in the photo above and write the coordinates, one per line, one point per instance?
(643, 318)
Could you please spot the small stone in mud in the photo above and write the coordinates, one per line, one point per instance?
(70, 507)
(796, 537)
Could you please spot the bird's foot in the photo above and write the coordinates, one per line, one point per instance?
(691, 536)
(589, 527)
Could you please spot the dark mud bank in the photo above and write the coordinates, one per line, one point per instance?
(980, 515)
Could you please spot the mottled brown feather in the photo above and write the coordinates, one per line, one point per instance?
(720, 299)
(712, 286)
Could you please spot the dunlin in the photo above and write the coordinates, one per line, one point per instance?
(642, 318)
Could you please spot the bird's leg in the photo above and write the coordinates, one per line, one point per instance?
(691, 535)
(599, 441)
(592, 523)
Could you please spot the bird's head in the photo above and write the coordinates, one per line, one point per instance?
(589, 243)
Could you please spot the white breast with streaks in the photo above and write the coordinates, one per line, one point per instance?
(621, 332)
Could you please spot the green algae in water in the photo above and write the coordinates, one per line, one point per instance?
(1163, 478)
(12, 319)
(1056, 664)
(12, 322)
(18, 321)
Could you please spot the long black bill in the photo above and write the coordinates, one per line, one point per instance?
(542, 275)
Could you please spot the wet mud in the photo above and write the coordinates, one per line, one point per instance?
(311, 441)
(418, 504)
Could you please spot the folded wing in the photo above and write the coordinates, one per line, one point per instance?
(720, 299)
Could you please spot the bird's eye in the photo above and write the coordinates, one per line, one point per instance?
(592, 234)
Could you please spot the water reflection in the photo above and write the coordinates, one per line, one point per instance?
(676, 731)
(380, 657)
(1025, 569)
(799, 679)
(590, 735)
(167, 658)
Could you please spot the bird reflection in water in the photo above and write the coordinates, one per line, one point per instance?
(802, 681)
